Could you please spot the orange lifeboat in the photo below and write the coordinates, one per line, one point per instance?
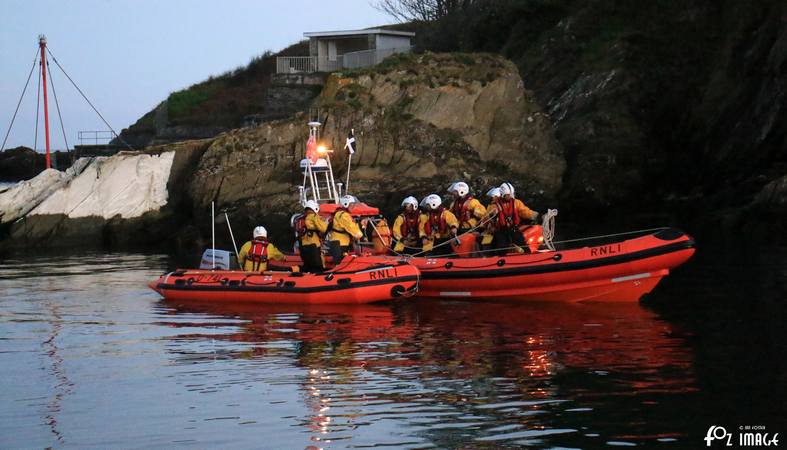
(622, 270)
(353, 282)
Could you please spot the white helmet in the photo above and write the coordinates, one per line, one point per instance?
(313, 205)
(461, 188)
(507, 189)
(260, 231)
(433, 201)
(494, 192)
(423, 203)
(347, 200)
(410, 201)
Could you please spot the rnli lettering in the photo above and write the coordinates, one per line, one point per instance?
(611, 249)
(382, 274)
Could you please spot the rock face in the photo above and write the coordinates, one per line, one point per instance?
(19, 199)
(127, 198)
(671, 106)
(420, 123)
(24, 163)
(124, 185)
(19, 163)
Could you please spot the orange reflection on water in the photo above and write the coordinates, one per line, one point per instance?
(534, 345)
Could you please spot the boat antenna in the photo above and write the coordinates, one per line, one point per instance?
(232, 236)
(213, 232)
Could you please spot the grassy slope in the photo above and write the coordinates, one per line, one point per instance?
(223, 100)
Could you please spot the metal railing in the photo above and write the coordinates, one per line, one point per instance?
(95, 137)
(352, 60)
(294, 64)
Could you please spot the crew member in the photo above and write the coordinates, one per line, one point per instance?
(487, 237)
(436, 226)
(254, 254)
(343, 230)
(405, 227)
(511, 212)
(311, 228)
(467, 209)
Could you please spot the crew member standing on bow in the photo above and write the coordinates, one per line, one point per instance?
(311, 228)
(254, 255)
(405, 227)
(343, 230)
(466, 208)
(436, 226)
(511, 212)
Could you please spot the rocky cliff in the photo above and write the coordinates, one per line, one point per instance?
(131, 198)
(673, 112)
(658, 114)
(420, 122)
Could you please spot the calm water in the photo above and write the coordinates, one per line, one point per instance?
(91, 358)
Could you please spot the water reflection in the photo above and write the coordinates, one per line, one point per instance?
(497, 374)
(85, 345)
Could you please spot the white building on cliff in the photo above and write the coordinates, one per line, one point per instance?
(349, 49)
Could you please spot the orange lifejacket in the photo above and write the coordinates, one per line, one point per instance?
(258, 252)
(409, 225)
(507, 215)
(462, 210)
(435, 222)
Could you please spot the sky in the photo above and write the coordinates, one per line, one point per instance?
(127, 56)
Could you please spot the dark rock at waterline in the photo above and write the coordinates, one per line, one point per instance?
(19, 163)
(23, 163)
(58, 230)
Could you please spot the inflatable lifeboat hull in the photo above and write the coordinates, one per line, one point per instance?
(353, 283)
(621, 271)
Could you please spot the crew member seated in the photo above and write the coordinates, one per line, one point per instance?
(511, 212)
(437, 226)
(467, 209)
(487, 237)
(405, 227)
(254, 255)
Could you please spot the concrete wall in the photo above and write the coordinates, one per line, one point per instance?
(385, 41)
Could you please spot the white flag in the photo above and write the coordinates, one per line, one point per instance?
(350, 144)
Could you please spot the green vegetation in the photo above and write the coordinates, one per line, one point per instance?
(435, 69)
(183, 103)
(223, 100)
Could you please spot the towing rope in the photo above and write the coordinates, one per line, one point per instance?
(548, 228)
(448, 242)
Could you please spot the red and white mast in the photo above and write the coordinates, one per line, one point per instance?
(42, 45)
